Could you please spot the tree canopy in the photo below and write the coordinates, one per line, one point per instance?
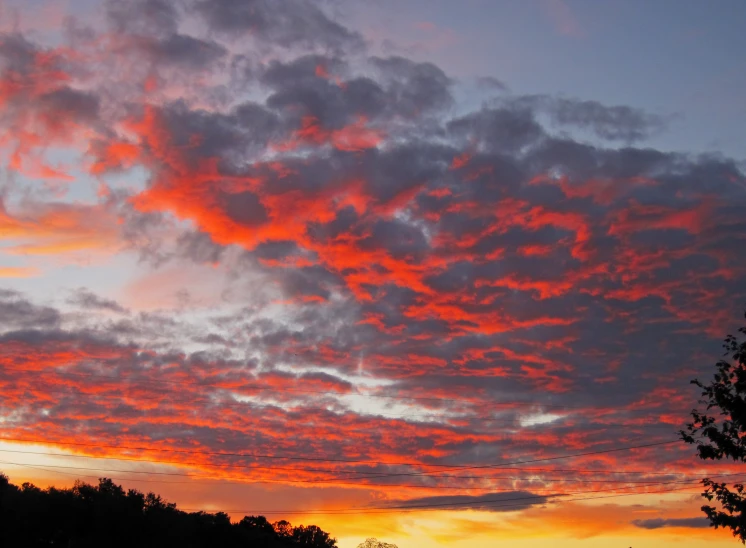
(105, 515)
(719, 431)
(375, 543)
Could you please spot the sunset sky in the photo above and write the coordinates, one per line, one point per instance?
(429, 271)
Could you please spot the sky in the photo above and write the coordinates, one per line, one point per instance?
(433, 272)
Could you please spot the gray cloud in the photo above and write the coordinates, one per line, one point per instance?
(199, 247)
(286, 23)
(617, 123)
(16, 53)
(414, 89)
(491, 83)
(223, 135)
(79, 105)
(90, 301)
(244, 208)
(143, 17)
(401, 240)
(611, 123)
(16, 312)
(499, 130)
(658, 523)
(510, 501)
(327, 88)
(184, 50)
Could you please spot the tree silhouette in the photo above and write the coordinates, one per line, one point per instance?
(312, 536)
(720, 433)
(375, 543)
(88, 516)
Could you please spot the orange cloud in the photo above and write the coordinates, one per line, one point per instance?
(18, 271)
(55, 229)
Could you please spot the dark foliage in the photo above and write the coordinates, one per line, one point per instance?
(105, 515)
(720, 433)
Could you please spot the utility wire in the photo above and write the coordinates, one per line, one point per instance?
(477, 504)
(416, 486)
(447, 467)
(512, 503)
(372, 476)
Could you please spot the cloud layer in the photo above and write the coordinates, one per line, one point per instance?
(331, 257)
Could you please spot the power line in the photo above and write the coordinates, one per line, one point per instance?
(417, 486)
(47, 466)
(476, 504)
(368, 475)
(448, 467)
(338, 480)
(465, 505)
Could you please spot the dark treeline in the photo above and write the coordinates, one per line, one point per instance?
(105, 515)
